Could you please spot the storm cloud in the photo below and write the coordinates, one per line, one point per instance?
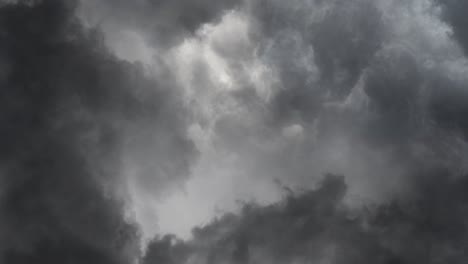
(254, 131)
(316, 226)
(372, 90)
(69, 109)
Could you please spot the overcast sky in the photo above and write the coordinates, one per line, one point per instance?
(233, 131)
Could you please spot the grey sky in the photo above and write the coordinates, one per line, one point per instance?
(217, 121)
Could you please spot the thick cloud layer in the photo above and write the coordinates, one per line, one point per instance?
(69, 111)
(289, 91)
(53, 210)
(373, 90)
(316, 226)
(124, 120)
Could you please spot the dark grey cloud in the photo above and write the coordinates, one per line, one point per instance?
(69, 111)
(448, 104)
(317, 226)
(373, 90)
(258, 91)
(355, 73)
(361, 88)
(348, 91)
(343, 36)
(454, 13)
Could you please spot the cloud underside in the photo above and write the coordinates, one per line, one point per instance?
(315, 226)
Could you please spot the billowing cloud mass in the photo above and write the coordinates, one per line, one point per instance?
(316, 227)
(233, 131)
(69, 110)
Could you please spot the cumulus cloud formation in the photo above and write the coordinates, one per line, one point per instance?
(213, 131)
